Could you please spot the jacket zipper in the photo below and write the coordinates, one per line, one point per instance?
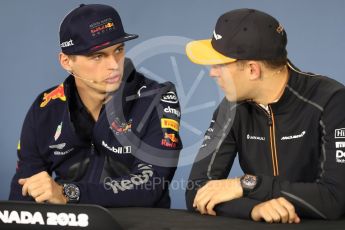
(92, 157)
(273, 147)
(273, 142)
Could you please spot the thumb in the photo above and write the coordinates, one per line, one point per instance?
(297, 219)
(22, 181)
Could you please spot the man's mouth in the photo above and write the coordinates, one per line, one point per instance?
(113, 79)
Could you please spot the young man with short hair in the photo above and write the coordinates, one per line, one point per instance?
(103, 132)
(287, 127)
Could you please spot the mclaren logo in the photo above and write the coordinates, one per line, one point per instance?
(217, 36)
(294, 136)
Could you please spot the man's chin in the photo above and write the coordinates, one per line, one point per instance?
(111, 88)
(231, 98)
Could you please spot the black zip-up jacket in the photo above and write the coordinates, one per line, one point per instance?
(127, 159)
(298, 149)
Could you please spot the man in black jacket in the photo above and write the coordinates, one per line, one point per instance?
(287, 127)
(104, 132)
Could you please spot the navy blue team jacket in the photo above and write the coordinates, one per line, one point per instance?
(130, 157)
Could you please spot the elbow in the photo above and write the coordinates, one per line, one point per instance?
(159, 198)
(335, 213)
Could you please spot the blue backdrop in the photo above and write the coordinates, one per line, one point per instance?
(30, 46)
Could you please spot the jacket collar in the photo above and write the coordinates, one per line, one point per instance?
(117, 104)
(284, 104)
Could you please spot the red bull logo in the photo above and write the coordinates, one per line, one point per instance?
(169, 140)
(171, 137)
(55, 94)
(168, 144)
(121, 127)
(102, 28)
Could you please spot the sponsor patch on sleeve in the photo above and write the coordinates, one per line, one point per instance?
(170, 124)
(169, 97)
(57, 93)
(339, 133)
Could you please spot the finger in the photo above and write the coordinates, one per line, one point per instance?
(43, 197)
(198, 194)
(273, 212)
(37, 185)
(202, 203)
(35, 181)
(204, 194)
(196, 198)
(282, 211)
(289, 207)
(210, 207)
(22, 181)
(201, 195)
(297, 220)
(266, 216)
(28, 181)
(25, 188)
(36, 191)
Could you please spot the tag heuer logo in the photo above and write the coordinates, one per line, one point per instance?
(339, 133)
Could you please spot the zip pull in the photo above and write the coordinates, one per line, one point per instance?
(270, 122)
(92, 148)
(270, 119)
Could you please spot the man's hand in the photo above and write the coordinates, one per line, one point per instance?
(276, 210)
(43, 188)
(215, 192)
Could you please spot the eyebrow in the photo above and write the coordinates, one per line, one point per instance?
(100, 52)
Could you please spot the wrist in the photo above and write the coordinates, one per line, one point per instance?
(62, 198)
(239, 189)
(71, 193)
(249, 183)
(234, 187)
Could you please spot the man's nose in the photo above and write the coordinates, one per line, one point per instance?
(113, 62)
(213, 72)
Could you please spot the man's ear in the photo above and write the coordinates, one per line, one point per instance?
(254, 70)
(65, 62)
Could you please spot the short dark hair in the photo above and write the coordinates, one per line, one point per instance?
(272, 64)
(72, 57)
(276, 63)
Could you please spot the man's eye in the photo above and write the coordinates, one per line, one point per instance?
(97, 57)
(119, 50)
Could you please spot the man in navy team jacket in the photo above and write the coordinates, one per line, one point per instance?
(109, 134)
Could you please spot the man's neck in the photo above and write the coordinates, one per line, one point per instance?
(273, 87)
(92, 100)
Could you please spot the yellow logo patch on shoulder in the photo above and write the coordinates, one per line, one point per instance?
(58, 92)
